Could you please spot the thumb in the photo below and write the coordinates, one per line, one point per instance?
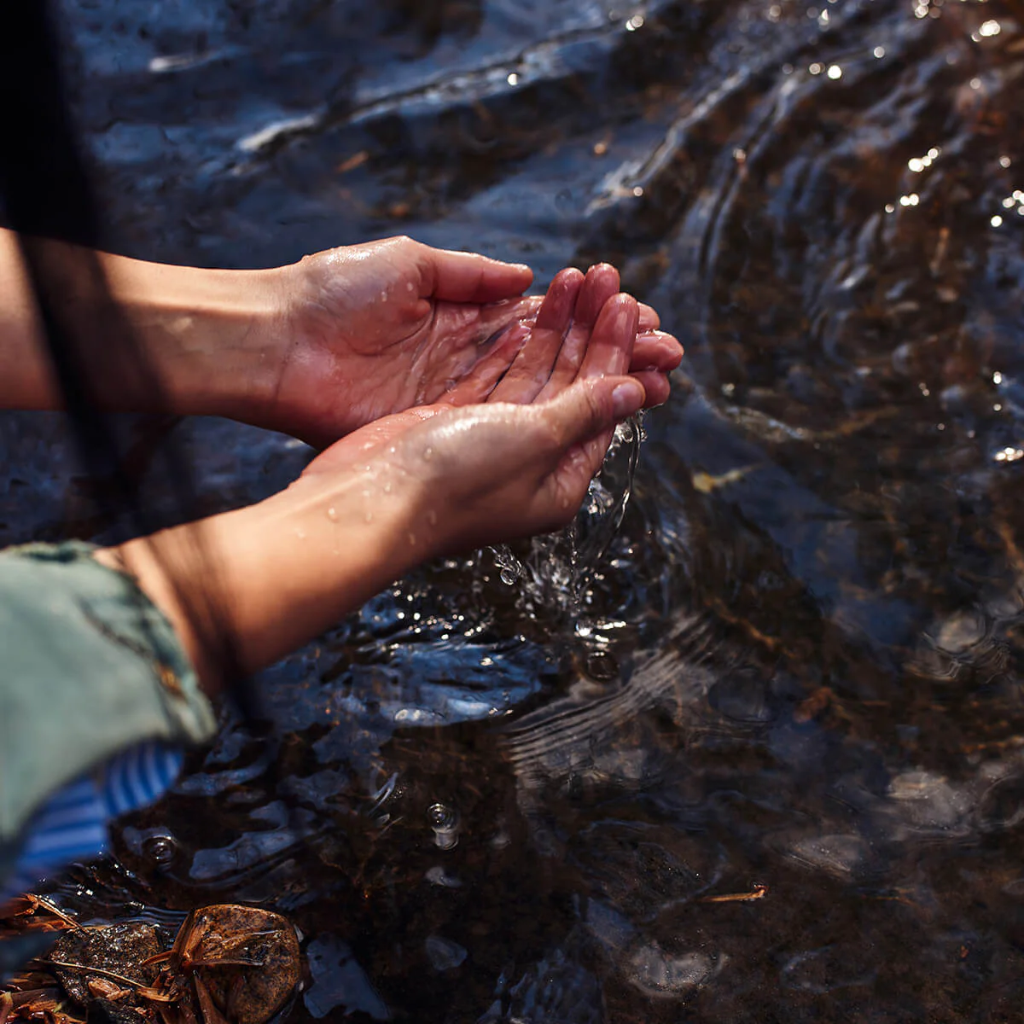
(592, 407)
(470, 277)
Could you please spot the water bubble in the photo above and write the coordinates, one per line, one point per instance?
(443, 954)
(444, 821)
(509, 576)
(160, 850)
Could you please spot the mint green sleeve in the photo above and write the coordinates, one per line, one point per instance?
(88, 666)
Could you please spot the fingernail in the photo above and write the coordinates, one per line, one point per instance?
(626, 399)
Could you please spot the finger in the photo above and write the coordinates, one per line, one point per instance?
(590, 408)
(656, 386)
(531, 369)
(478, 384)
(614, 335)
(585, 415)
(649, 319)
(600, 284)
(656, 350)
(470, 277)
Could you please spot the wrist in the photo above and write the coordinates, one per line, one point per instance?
(278, 573)
(208, 334)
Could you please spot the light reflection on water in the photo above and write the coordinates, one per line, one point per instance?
(796, 663)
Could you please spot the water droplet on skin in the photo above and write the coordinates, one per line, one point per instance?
(412, 539)
(428, 454)
(332, 514)
(368, 517)
(409, 286)
(432, 517)
(387, 487)
(565, 503)
(301, 534)
(384, 296)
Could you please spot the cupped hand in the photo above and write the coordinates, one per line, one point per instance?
(518, 460)
(374, 329)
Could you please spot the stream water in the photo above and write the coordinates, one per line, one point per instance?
(794, 665)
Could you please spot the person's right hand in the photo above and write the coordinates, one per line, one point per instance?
(519, 461)
(427, 481)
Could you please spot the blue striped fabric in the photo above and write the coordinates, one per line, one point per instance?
(72, 824)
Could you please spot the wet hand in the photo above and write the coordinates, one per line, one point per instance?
(519, 460)
(374, 329)
(433, 479)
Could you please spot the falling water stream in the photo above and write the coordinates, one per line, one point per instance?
(789, 672)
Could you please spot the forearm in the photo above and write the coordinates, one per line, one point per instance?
(198, 330)
(275, 574)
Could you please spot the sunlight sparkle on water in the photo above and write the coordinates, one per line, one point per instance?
(835, 71)
(1008, 454)
(989, 28)
(637, 21)
(920, 163)
(513, 79)
(879, 52)
(910, 200)
(996, 221)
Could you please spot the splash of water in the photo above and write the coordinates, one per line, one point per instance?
(556, 570)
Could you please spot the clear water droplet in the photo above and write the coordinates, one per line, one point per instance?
(160, 850)
(332, 514)
(509, 576)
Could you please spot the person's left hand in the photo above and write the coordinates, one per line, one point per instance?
(375, 329)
